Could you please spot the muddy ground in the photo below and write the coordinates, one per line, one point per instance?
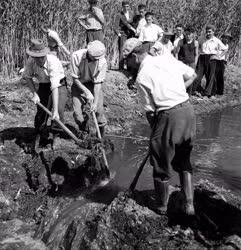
(50, 201)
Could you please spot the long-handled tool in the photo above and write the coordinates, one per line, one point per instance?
(139, 171)
(60, 123)
(102, 149)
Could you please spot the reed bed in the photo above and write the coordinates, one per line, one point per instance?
(21, 20)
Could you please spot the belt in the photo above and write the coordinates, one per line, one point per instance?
(180, 105)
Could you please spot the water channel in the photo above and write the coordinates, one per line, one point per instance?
(216, 155)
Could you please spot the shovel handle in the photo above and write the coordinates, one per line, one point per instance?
(59, 123)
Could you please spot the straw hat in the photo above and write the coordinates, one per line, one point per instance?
(37, 48)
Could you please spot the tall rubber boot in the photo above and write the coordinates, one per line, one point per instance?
(102, 131)
(187, 188)
(162, 195)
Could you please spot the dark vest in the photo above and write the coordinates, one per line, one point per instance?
(187, 52)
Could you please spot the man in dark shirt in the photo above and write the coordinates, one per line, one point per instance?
(124, 29)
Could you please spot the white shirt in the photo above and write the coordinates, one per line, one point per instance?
(88, 71)
(150, 33)
(161, 83)
(52, 71)
(222, 54)
(177, 39)
(161, 48)
(127, 15)
(212, 46)
(141, 24)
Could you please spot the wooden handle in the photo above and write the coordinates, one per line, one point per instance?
(136, 178)
(59, 123)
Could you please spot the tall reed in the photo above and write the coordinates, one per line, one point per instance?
(20, 20)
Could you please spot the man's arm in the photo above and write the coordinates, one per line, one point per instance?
(55, 99)
(177, 49)
(88, 95)
(188, 80)
(98, 14)
(196, 51)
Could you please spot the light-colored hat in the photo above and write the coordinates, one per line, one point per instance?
(96, 49)
(129, 45)
(37, 48)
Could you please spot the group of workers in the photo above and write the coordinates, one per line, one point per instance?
(163, 65)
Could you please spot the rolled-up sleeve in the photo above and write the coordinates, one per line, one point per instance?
(75, 66)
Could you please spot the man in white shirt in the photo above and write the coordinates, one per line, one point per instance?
(178, 35)
(221, 60)
(46, 70)
(140, 20)
(150, 32)
(162, 46)
(162, 81)
(206, 65)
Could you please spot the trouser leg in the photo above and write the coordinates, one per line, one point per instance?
(100, 113)
(220, 68)
(63, 96)
(121, 42)
(210, 85)
(41, 117)
(196, 86)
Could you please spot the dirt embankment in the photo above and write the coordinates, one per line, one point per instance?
(48, 200)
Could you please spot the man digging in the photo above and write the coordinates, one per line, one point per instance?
(162, 81)
(45, 69)
(88, 71)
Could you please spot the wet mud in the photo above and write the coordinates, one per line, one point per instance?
(53, 199)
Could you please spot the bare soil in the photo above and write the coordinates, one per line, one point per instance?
(49, 200)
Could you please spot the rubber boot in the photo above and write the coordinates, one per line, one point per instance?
(162, 195)
(187, 189)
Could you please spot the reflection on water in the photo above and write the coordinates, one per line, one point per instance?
(216, 154)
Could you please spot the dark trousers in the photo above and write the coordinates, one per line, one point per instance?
(121, 42)
(205, 67)
(45, 96)
(92, 35)
(171, 141)
(220, 68)
(190, 88)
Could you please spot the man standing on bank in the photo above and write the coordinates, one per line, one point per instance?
(124, 29)
(45, 69)
(89, 68)
(93, 21)
(162, 81)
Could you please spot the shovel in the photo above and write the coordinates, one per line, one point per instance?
(60, 123)
(101, 148)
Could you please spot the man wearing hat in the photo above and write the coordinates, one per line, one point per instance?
(162, 82)
(93, 21)
(221, 60)
(46, 70)
(163, 45)
(89, 68)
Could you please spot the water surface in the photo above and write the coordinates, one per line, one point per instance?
(216, 155)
